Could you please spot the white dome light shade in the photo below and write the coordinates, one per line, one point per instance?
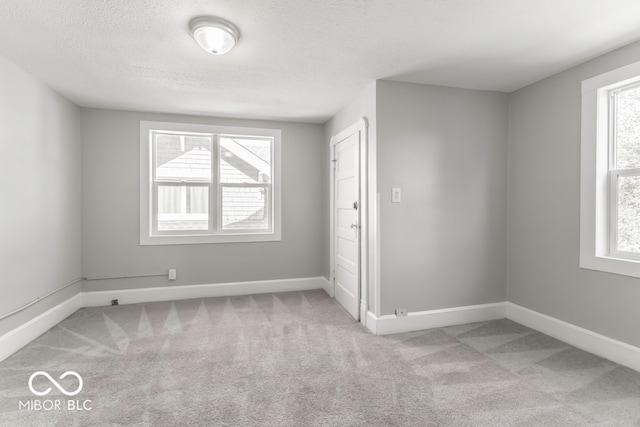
(214, 35)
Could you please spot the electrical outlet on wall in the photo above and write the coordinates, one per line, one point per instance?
(401, 312)
(396, 195)
(173, 274)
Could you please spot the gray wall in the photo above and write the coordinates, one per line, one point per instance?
(364, 105)
(110, 200)
(40, 193)
(544, 209)
(444, 245)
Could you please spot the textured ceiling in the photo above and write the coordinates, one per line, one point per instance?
(300, 60)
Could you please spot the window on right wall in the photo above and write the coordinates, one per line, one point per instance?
(610, 172)
(624, 171)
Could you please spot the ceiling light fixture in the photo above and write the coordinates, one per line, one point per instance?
(215, 35)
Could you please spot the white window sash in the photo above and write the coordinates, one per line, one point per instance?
(156, 215)
(614, 175)
(269, 207)
(184, 183)
(267, 186)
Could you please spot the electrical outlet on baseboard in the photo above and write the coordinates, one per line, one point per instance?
(401, 312)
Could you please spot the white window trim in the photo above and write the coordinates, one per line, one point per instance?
(595, 191)
(146, 238)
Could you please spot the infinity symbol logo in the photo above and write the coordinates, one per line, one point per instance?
(55, 383)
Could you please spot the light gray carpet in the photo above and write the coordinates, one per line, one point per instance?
(297, 359)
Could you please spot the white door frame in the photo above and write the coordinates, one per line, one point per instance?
(359, 127)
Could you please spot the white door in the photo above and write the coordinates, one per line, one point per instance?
(346, 214)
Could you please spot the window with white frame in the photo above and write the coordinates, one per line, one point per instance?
(208, 184)
(610, 176)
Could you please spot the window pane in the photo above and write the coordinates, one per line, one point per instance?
(629, 213)
(183, 157)
(628, 128)
(182, 207)
(245, 160)
(245, 208)
(198, 200)
(169, 200)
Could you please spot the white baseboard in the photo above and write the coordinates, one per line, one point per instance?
(328, 287)
(17, 338)
(171, 293)
(616, 351)
(415, 321)
(363, 312)
(371, 323)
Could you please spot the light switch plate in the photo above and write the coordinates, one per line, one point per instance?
(173, 274)
(396, 195)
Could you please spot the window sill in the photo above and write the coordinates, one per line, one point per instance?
(209, 239)
(622, 266)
